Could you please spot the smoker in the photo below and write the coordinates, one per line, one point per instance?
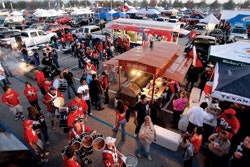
(131, 89)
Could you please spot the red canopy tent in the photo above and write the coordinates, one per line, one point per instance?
(163, 59)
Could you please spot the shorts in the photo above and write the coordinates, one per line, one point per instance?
(17, 109)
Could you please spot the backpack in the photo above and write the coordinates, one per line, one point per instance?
(62, 85)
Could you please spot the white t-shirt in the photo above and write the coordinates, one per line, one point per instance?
(198, 116)
(84, 89)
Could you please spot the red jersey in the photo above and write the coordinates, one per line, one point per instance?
(119, 41)
(122, 116)
(81, 106)
(105, 82)
(31, 93)
(110, 157)
(30, 136)
(72, 117)
(48, 98)
(11, 98)
(231, 125)
(70, 162)
(99, 46)
(90, 67)
(74, 133)
(40, 78)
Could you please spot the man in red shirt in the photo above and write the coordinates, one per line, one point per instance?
(74, 114)
(227, 121)
(80, 104)
(69, 158)
(31, 92)
(31, 137)
(48, 99)
(111, 156)
(11, 99)
(105, 86)
(40, 78)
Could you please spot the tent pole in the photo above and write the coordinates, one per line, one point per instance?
(153, 91)
(119, 72)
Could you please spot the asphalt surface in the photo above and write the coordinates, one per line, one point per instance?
(101, 121)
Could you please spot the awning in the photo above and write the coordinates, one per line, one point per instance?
(139, 29)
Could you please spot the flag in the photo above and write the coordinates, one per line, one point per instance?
(125, 5)
(3, 4)
(196, 61)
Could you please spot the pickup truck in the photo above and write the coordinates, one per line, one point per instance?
(92, 30)
(32, 38)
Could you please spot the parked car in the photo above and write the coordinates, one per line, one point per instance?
(217, 33)
(64, 19)
(38, 26)
(201, 29)
(54, 27)
(6, 36)
(239, 32)
(50, 19)
(99, 22)
(78, 22)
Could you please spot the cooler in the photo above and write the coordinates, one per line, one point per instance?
(167, 138)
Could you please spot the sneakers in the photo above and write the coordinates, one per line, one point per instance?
(138, 155)
(101, 109)
(23, 118)
(149, 158)
(115, 130)
(135, 135)
(91, 113)
(16, 118)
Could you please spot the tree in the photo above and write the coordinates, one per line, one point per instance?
(215, 5)
(190, 4)
(246, 4)
(144, 3)
(229, 5)
(202, 4)
(153, 3)
(178, 4)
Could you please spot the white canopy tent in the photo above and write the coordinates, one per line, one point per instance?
(145, 11)
(211, 21)
(237, 53)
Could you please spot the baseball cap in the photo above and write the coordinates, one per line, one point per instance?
(230, 111)
(27, 122)
(109, 140)
(52, 88)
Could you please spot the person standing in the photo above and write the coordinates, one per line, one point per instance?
(197, 115)
(179, 106)
(48, 98)
(39, 124)
(105, 86)
(217, 150)
(84, 90)
(141, 110)
(192, 77)
(68, 76)
(36, 57)
(31, 137)
(110, 155)
(79, 103)
(241, 155)
(147, 135)
(95, 89)
(227, 121)
(12, 100)
(120, 118)
(40, 79)
(69, 158)
(31, 92)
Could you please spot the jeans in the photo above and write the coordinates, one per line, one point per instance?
(143, 148)
(35, 104)
(106, 94)
(99, 101)
(89, 106)
(72, 86)
(122, 123)
(45, 137)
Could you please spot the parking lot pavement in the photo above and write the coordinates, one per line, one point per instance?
(102, 121)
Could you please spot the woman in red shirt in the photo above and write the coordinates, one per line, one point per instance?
(120, 118)
(105, 86)
(31, 92)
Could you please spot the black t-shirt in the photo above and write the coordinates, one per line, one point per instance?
(68, 77)
(142, 111)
